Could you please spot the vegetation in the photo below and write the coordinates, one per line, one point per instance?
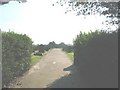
(107, 8)
(35, 59)
(71, 55)
(96, 43)
(42, 48)
(90, 8)
(96, 55)
(16, 55)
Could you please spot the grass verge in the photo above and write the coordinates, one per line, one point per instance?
(35, 59)
(71, 55)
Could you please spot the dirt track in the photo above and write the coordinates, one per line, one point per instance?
(48, 70)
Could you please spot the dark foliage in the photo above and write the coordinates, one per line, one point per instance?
(42, 48)
(96, 55)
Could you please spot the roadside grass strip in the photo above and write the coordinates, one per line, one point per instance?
(71, 55)
(35, 59)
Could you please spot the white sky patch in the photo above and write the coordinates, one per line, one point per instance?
(45, 23)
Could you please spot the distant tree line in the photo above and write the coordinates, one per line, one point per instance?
(42, 48)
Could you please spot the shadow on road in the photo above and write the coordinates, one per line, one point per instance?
(68, 81)
(84, 80)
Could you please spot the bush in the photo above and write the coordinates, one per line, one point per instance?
(96, 55)
(68, 48)
(16, 55)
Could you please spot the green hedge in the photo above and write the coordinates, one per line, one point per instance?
(96, 55)
(16, 55)
(93, 44)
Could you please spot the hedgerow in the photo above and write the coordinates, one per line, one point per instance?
(16, 55)
(96, 55)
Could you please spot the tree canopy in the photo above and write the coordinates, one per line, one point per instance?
(90, 6)
(108, 8)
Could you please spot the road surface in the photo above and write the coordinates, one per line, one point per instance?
(49, 69)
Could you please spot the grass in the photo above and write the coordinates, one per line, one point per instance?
(71, 55)
(35, 59)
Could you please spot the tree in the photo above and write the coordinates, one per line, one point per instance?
(87, 7)
(41, 48)
(82, 7)
(52, 44)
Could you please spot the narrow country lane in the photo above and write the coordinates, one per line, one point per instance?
(49, 69)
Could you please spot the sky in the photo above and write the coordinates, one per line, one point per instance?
(44, 23)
